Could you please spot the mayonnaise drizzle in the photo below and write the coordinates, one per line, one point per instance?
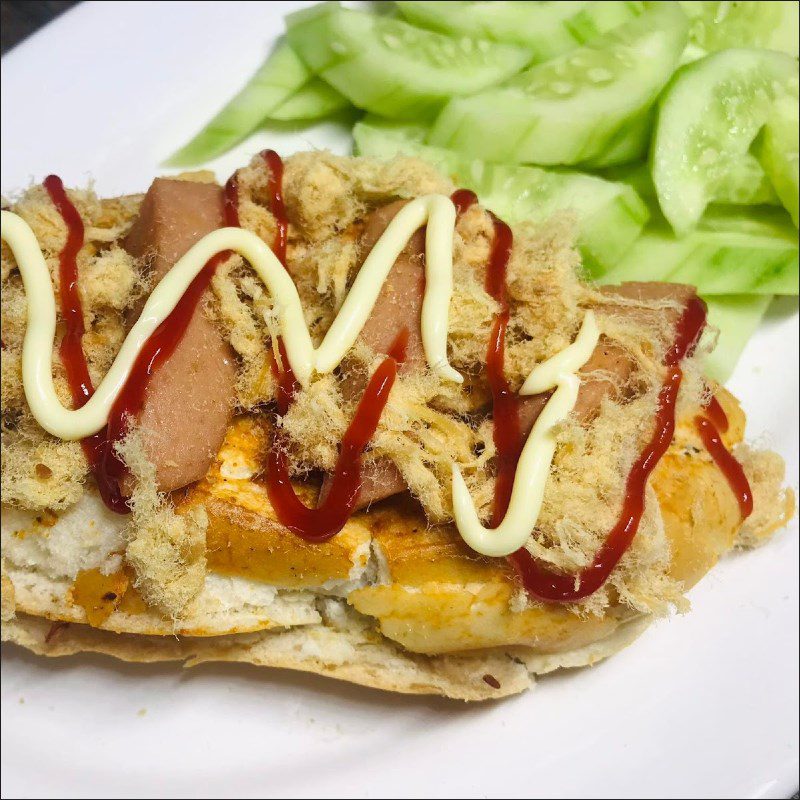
(435, 211)
(533, 467)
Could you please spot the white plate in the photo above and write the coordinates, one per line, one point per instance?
(702, 705)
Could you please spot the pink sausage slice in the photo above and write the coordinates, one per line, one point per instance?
(190, 399)
(609, 369)
(399, 306)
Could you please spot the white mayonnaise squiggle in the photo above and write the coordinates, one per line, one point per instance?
(438, 212)
(37, 362)
(533, 468)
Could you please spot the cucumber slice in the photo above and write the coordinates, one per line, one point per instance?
(601, 16)
(386, 139)
(707, 121)
(638, 177)
(629, 144)
(392, 136)
(546, 28)
(569, 109)
(389, 67)
(732, 252)
(720, 25)
(736, 317)
(610, 215)
(314, 100)
(745, 183)
(277, 78)
(774, 223)
(778, 152)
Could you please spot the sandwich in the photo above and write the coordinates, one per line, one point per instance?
(336, 416)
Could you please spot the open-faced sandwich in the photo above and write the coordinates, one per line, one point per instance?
(336, 416)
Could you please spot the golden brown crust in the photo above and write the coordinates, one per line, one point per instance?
(324, 651)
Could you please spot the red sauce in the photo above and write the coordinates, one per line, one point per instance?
(546, 584)
(160, 346)
(107, 467)
(230, 201)
(288, 385)
(329, 517)
(728, 465)
(275, 189)
(710, 425)
(507, 434)
(462, 199)
(716, 413)
(71, 347)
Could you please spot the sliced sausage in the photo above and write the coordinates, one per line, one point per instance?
(651, 292)
(189, 400)
(398, 306)
(607, 373)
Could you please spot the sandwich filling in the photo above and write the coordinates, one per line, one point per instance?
(345, 378)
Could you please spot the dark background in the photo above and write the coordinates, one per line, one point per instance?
(20, 18)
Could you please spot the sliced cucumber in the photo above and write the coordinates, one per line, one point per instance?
(720, 25)
(546, 28)
(733, 252)
(386, 139)
(707, 121)
(389, 67)
(736, 317)
(629, 144)
(745, 183)
(778, 152)
(277, 78)
(636, 175)
(610, 215)
(601, 16)
(570, 109)
(375, 133)
(314, 100)
(774, 223)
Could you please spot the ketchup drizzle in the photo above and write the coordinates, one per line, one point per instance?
(549, 585)
(329, 517)
(716, 413)
(463, 199)
(71, 347)
(99, 448)
(506, 432)
(275, 189)
(728, 465)
(710, 425)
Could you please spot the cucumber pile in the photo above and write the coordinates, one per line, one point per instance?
(668, 129)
